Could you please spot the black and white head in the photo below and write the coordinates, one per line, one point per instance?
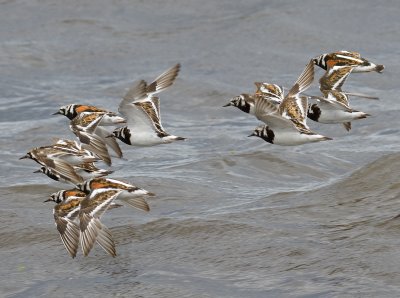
(57, 197)
(28, 155)
(313, 112)
(69, 111)
(49, 173)
(239, 102)
(263, 131)
(258, 131)
(43, 170)
(124, 134)
(320, 61)
(85, 187)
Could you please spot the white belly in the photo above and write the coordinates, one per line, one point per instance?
(141, 139)
(293, 139)
(339, 116)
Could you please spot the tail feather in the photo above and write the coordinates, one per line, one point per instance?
(364, 115)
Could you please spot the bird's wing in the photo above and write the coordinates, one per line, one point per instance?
(334, 78)
(329, 104)
(64, 217)
(152, 110)
(163, 81)
(304, 81)
(138, 92)
(63, 169)
(263, 107)
(91, 229)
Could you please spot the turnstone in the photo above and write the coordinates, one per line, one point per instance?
(85, 119)
(66, 217)
(72, 214)
(286, 123)
(54, 166)
(334, 107)
(346, 58)
(162, 82)
(246, 102)
(130, 194)
(61, 171)
(143, 118)
(91, 141)
(66, 153)
(71, 111)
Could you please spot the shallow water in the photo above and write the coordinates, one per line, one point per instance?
(233, 216)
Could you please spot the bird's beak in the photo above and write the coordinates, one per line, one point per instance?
(48, 200)
(110, 136)
(227, 105)
(57, 113)
(252, 135)
(38, 171)
(25, 156)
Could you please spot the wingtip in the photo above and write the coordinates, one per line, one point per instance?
(347, 126)
(379, 68)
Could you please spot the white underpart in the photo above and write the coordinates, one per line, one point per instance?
(338, 116)
(293, 138)
(147, 139)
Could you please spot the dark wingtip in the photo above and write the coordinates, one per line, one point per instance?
(347, 126)
(379, 68)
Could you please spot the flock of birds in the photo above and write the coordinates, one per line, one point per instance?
(285, 115)
(78, 210)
